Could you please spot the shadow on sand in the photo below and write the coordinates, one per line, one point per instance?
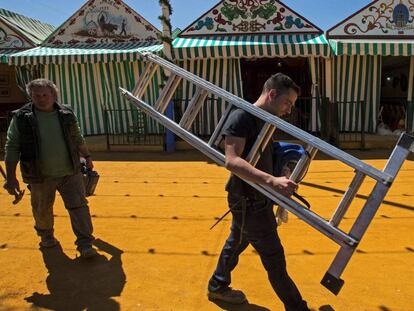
(252, 307)
(242, 307)
(80, 284)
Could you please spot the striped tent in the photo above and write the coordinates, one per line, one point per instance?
(185, 48)
(91, 89)
(380, 29)
(356, 79)
(250, 46)
(373, 47)
(356, 76)
(4, 55)
(98, 54)
(88, 80)
(217, 59)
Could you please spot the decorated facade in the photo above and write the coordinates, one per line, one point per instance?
(391, 18)
(374, 64)
(243, 17)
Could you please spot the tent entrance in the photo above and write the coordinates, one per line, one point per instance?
(394, 92)
(256, 72)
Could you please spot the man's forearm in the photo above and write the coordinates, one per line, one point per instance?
(11, 169)
(245, 170)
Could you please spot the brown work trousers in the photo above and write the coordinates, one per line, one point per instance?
(72, 190)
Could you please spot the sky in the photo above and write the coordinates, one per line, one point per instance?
(323, 13)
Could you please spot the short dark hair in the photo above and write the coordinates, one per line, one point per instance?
(281, 83)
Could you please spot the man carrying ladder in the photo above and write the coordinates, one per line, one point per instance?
(253, 220)
(274, 102)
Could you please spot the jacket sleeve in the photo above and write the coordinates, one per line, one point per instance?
(12, 142)
(76, 134)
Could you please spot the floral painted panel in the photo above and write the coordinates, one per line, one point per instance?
(103, 22)
(9, 39)
(250, 16)
(381, 18)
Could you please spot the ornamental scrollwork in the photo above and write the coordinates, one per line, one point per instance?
(9, 41)
(385, 17)
(252, 16)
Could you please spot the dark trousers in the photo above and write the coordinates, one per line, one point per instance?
(259, 229)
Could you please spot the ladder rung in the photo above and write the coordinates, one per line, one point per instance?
(167, 93)
(145, 79)
(216, 138)
(347, 199)
(260, 144)
(193, 108)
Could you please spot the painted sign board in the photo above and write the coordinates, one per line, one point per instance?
(238, 17)
(379, 19)
(103, 22)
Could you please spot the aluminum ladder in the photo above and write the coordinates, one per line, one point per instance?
(348, 241)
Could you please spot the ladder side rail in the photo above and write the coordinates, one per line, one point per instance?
(332, 280)
(323, 146)
(193, 108)
(142, 78)
(260, 144)
(167, 93)
(347, 199)
(215, 138)
(295, 208)
(145, 79)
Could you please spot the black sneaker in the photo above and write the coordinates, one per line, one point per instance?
(232, 296)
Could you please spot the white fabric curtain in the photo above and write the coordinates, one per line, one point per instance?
(357, 78)
(315, 91)
(410, 98)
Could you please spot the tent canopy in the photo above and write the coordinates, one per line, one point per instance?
(251, 46)
(103, 54)
(373, 47)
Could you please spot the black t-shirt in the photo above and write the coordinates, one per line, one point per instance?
(242, 124)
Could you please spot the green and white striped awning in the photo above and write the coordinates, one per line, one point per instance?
(5, 53)
(373, 47)
(251, 46)
(104, 54)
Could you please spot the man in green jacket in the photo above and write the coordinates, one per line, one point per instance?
(45, 137)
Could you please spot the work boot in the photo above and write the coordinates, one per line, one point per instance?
(48, 241)
(229, 295)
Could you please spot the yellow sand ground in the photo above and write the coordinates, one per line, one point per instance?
(152, 214)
